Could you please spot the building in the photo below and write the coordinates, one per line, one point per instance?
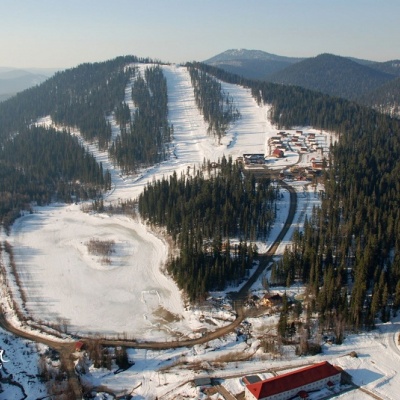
(250, 379)
(253, 158)
(278, 153)
(79, 345)
(317, 163)
(296, 383)
(202, 382)
(274, 139)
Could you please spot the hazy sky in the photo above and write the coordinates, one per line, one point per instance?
(65, 33)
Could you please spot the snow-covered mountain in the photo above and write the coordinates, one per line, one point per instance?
(254, 64)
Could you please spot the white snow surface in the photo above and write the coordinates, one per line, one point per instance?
(133, 296)
(20, 360)
(62, 281)
(169, 374)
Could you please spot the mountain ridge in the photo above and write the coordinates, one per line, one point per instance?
(14, 80)
(234, 54)
(253, 64)
(333, 75)
(341, 76)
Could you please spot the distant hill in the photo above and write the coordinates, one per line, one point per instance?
(252, 64)
(333, 75)
(368, 82)
(390, 67)
(385, 99)
(14, 80)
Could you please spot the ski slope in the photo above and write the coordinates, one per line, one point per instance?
(132, 296)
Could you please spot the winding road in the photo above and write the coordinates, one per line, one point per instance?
(66, 349)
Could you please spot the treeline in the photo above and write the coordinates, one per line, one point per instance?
(42, 165)
(144, 137)
(78, 97)
(348, 252)
(385, 99)
(217, 107)
(295, 106)
(201, 214)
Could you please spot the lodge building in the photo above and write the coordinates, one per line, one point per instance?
(295, 384)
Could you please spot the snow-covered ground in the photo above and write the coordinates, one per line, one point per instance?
(20, 361)
(133, 297)
(169, 374)
(62, 281)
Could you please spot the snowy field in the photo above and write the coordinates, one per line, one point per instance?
(20, 360)
(168, 375)
(132, 295)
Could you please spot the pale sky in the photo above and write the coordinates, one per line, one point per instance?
(65, 33)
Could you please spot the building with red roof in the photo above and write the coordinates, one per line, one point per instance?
(278, 153)
(295, 383)
(79, 345)
(318, 164)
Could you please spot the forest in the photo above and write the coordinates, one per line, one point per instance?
(144, 138)
(385, 99)
(41, 165)
(217, 107)
(78, 97)
(201, 212)
(333, 75)
(348, 253)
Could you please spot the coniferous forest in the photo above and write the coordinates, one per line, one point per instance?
(38, 164)
(201, 213)
(348, 252)
(78, 97)
(144, 138)
(44, 165)
(216, 106)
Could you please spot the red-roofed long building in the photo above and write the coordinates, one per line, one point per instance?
(287, 386)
